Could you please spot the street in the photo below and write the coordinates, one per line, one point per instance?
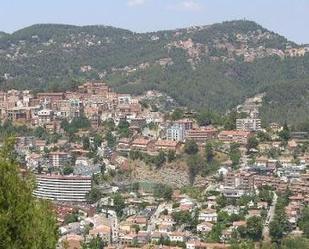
(270, 217)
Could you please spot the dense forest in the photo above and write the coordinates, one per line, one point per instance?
(205, 67)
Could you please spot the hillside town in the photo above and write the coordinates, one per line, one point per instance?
(123, 171)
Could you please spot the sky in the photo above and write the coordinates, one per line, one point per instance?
(286, 17)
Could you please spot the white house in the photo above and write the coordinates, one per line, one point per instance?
(209, 215)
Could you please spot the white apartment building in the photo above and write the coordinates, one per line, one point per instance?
(62, 188)
(175, 132)
(248, 124)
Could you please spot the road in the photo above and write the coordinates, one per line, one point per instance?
(270, 217)
(152, 225)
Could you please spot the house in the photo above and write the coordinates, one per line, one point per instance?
(226, 235)
(233, 136)
(262, 205)
(196, 244)
(253, 212)
(209, 215)
(143, 237)
(176, 236)
(127, 239)
(142, 144)
(165, 228)
(237, 224)
(202, 134)
(186, 204)
(103, 231)
(156, 236)
(45, 116)
(230, 209)
(58, 159)
(141, 221)
(40, 144)
(73, 241)
(167, 145)
(204, 227)
(50, 97)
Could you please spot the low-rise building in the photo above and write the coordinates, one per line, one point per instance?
(232, 136)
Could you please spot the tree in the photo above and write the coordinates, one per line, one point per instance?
(160, 159)
(254, 228)
(295, 243)
(123, 129)
(119, 204)
(86, 143)
(285, 133)
(94, 243)
(266, 195)
(276, 231)
(252, 143)
(263, 136)
(195, 164)
(191, 147)
(25, 222)
(39, 132)
(182, 217)
(163, 191)
(234, 154)
(102, 168)
(177, 114)
(206, 117)
(304, 222)
(111, 140)
(243, 245)
(67, 170)
(209, 153)
(70, 218)
(93, 195)
(171, 155)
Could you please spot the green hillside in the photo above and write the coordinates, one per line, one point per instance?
(209, 67)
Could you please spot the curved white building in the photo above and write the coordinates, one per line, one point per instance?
(62, 188)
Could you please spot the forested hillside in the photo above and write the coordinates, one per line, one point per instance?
(209, 67)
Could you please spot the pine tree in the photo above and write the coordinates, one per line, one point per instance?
(25, 222)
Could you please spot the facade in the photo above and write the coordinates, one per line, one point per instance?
(175, 132)
(248, 124)
(201, 134)
(58, 159)
(45, 116)
(186, 124)
(232, 136)
(167, 145)
(62, 188)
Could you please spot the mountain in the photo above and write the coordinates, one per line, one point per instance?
(207, 67)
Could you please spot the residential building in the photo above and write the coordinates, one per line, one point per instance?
(62, 188)
(248, 124)
(232, 136)
(175, 132)
(202, 134)
(58, 159)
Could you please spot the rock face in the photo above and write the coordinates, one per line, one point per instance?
(165, 175)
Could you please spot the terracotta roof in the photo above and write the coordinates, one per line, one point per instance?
(234, 133)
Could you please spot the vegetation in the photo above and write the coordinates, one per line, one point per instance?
(163, 191)
(218, 85)
(119, 204)
(280, 225)
(25, 222)
(191, 147)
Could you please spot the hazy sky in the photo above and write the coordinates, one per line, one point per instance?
(287, 17)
